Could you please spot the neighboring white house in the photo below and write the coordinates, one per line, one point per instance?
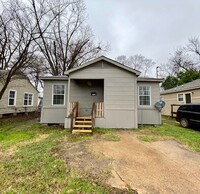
(105, 89)
(186, 93)
(19, 97)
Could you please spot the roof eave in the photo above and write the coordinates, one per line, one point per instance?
(106, 59)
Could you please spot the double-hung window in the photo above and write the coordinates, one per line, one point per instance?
(144, 95)
(180, 97)
(28, 99)
(58, 94)
(12, 98)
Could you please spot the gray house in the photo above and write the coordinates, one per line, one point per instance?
(101, 93)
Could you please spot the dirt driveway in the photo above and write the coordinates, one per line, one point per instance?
(158, 167)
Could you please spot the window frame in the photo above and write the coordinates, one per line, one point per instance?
(145, 95)
(178, 97)
(59, 84)
(28, 99)
(15, 98)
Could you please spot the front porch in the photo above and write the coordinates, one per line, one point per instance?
(84, 124)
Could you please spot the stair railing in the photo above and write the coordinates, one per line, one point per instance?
(73, 115)
(93, 113)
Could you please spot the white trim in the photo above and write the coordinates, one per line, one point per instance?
(139, 95)
(53, 94)
(105, 59)
(178, 97)
(15, 99)
(28, 99)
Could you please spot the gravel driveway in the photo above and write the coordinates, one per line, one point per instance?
(158, 167)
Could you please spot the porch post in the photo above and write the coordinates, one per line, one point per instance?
(68, 95)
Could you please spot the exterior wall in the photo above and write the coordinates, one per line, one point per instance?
(120, 94)
(149, 114)
(80, 91)
(172, 99)
(53, 113)
(20, 86)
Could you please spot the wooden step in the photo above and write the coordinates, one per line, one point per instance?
(81, 131)
(85, 117)
(82, 126)
(84, 122)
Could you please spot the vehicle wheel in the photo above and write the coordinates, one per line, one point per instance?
(184, 122)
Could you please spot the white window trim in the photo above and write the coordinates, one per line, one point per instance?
(32, 99)
(139, 96)
(53, 95)
(15, 99)
(183, 97)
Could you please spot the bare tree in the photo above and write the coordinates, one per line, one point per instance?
(186, 58)
(69, 40)
(54, 28)
(35, 68)
(15, 41)
(138, 62)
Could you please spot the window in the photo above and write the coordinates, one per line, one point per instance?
(144, 95)
(28, 99)
(58, 94)
(180, 97)
(12, 98)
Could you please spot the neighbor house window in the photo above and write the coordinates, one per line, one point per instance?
(144, 95)
(58, 94)
(28, 99)
(180, 97)
(12, 98)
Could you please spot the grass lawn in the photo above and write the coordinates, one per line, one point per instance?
(29, 163)
(171, 130)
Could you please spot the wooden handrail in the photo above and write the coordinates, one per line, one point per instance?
(93, 113)
(73, 115)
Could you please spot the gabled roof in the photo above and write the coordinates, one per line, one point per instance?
(188, 86)
(107, 60)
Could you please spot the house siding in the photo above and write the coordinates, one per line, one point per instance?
(120, 93)
(21, 86)
(53, 113)
(172, 99)
(149, 114)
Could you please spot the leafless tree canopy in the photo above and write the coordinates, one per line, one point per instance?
(137, 62)
(186, 57)
(55, 31)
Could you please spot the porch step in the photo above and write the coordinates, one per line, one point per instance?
(83, 125)
(81, 131)
(84, 122)
(84, 118)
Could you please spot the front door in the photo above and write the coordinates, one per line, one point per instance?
(188, 98)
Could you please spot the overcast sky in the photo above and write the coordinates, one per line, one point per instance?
(153, 28)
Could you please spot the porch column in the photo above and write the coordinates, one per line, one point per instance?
(68, 95)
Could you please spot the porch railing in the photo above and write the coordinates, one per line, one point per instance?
(71, 106)
(73, 114)
(99, 109)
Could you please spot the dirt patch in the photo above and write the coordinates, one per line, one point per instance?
(81, 157)
(159, 167)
